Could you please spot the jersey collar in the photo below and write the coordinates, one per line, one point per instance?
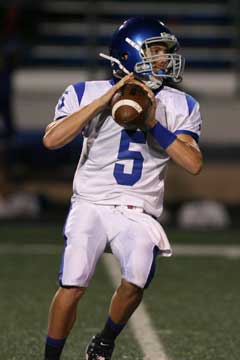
(113, 81)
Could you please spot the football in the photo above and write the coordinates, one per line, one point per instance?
(130, 106)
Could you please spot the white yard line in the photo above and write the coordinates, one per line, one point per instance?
(140, 322)
(207, 250)
(231, 251)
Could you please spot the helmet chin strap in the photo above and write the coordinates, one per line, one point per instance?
(153, 83)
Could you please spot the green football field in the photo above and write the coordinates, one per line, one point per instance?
(193, 302)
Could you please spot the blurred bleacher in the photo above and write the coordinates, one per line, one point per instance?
(71, 33)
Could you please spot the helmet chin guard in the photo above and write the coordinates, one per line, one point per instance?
(173, 69)
(129, 52)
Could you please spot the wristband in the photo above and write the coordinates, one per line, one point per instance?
(163, 136)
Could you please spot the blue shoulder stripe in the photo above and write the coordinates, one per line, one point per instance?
(187, 132)
(79, 89)
(60, 117)
(113, 81)
(191, 102)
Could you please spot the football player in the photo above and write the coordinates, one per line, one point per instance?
(118, 185)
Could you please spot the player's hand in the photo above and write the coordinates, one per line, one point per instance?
(145, 87)
(104, 100)
(151, 120)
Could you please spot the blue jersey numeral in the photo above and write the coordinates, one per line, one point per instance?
(61, 101)
(124, 153)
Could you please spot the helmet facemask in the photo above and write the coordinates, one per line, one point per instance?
(160, 66)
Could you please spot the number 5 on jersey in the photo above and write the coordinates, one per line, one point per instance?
(124, 153)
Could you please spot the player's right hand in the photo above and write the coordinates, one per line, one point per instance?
(104, 100)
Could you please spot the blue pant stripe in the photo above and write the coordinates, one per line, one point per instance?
(156, 251)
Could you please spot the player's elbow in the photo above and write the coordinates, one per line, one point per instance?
(48, 142)
(51, 137)
(196, 167)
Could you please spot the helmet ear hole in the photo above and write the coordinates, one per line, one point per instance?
(124, 56)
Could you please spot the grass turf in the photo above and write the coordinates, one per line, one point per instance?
(27, 286)
(193, 302)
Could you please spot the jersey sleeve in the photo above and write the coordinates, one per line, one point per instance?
(67, 104)
(188, 121)
(70, 101)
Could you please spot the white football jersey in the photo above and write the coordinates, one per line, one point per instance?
(121, 167)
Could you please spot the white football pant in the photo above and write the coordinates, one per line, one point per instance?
(135, 239)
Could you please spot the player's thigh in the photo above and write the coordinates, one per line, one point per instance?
(136, 252)
(85, 241)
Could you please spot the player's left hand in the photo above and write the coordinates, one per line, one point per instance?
(151, 118)
(104, 100)
(145, 87)
(150, 121)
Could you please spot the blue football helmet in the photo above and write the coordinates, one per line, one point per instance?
(130, 51)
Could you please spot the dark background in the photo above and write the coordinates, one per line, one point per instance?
(46, 46)
(194, 299)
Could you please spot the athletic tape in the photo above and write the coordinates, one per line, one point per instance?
(127, 102)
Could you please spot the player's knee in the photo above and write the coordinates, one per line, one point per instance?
(130, 290)
(72, 293)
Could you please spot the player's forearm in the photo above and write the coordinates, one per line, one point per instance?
(186, 155)
(184, 152)
(61, 132)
